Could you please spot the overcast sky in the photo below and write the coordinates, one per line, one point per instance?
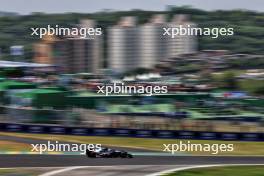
(88, 6)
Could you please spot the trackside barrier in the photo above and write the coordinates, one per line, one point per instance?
(140, 133)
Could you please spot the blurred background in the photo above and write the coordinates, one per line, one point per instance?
(213, 84)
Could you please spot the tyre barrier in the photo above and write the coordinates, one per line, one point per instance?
(139, 133)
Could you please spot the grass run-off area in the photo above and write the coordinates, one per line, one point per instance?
(20, 172)
(13, 146)
(240, 148)
(222, 171)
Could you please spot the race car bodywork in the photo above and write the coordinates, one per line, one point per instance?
(108, 153)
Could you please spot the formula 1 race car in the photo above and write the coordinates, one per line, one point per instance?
(108, 153)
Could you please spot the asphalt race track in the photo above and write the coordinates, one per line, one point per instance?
(139, 165)
(75, 160)
(35, 160)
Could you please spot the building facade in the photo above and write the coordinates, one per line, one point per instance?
(131, 46)
(181, 44)
(123, 45)
(153, 44)
(71, 54)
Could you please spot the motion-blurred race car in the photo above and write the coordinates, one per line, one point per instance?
(108, 153)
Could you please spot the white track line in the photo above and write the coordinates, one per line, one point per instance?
(51, 173)
(200, 166)
(60, 171)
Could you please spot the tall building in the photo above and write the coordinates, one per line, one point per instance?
(181, 44)
(44, 50)
(153, 44)
(71, 54)
(123, 45)
(131, 46)
(92, 49)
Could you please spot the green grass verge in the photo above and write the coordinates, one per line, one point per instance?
(223, 171)
(19, 172)
(240, 148)
(13, 146)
